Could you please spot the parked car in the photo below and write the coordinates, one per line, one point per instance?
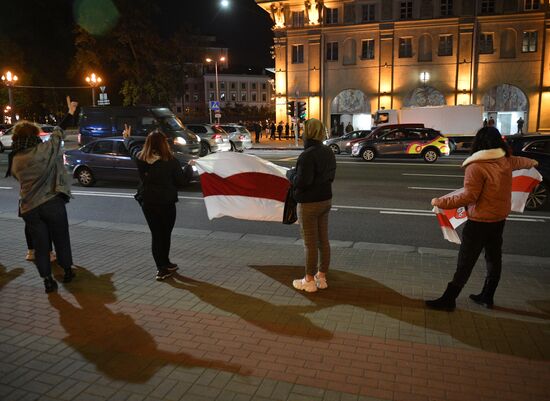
(108, 121)
(6, 137)
(342, 143)
(4, 128)
(239, 137)
(426, 143)
(213, 138)
(108, 159)
(535, 147)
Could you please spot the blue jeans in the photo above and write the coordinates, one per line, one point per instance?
(48, 222)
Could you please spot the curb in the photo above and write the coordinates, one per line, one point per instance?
(293, 241)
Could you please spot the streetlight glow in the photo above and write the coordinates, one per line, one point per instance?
(93, 80)
(224, 3)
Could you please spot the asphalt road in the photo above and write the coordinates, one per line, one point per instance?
(384, 201)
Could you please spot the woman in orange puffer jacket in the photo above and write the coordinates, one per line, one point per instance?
(487, 195)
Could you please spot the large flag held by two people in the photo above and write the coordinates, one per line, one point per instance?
(242, 186)
(523, 182)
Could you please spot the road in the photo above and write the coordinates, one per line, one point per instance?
(380, 202)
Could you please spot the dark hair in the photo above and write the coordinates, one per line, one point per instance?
(156, 143)
(25, 129)
(489, 138)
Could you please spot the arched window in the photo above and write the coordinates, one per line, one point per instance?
(508, 43)
(350, 52)
(425, 48)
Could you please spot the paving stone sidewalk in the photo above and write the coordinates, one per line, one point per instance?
(230, 327)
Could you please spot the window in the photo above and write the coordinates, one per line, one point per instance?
(405, 47)
(446, 8)
(211, 85)
(243, 85)
(211, 96)
(253, 85)
(103, 148)
(222, 97)
(232, 85)
(539, 147)
(297, 19)
(367, 49)
(529, 42)
(332, 51)
(349, 13)
(233, 96)
(120, 148)
(532, 5)
(487, 6)
(264, 97)
(187, 97)
(486, 43)
(445, 45)
(406, 10)
(243, 97)
(195, 97)
(331, 15)
(368, 12)
(264, 86)
(297, 54)
(254, 97)
(222, 85)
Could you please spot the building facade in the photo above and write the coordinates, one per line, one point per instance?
(348, 58)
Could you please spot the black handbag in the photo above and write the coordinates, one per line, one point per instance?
(290, 212)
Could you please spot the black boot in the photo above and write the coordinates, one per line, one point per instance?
(68, 276)
(486, 297)
(50, 284)
(447, 301)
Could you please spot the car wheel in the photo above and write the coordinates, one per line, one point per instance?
(335, 149)
(85, 177)
(538, 197)
(430, 156)
(205, 149)
(368, 154)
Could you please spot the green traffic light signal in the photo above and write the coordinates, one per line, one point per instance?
(301, 110)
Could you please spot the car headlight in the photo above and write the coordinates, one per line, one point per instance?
(195, 169)
(325, 142)
(180, 141)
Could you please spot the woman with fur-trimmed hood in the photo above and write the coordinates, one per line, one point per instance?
(487, 196)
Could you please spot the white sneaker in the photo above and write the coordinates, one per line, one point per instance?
(302, 284)
(320, 282)
(30, 255)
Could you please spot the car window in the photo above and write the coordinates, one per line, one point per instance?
(171, 123)
(96, 119)
(218, 130)
(102, 148)
(414, 135)
(47, 128)
(229, 128)
(198, 129)
(539, 147)
(243, 130)
(120, 149)
(393, 136)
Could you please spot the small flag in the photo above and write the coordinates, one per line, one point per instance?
(242, 186)
(447, 228)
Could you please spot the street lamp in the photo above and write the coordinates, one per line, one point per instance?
(9, 80)
(93, 80)
(424, 77)
(209, 60)
(224, 3)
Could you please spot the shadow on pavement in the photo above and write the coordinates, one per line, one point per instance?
(285, 320)
(8, 276)
(113, 342)
(490, 333)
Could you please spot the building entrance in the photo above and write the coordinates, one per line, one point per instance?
(350, 108)
(506, 104)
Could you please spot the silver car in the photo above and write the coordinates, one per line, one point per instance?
(341, 144)
(239, 136)
(6, 137)
(213, 138)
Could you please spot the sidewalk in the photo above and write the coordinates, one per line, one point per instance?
(283, 144)
(230, 326)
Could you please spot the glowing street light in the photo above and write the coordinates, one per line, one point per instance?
(221, 60)
(225, 3)
(9, 80)
(94, 81)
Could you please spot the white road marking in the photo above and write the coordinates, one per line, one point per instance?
(409, 213)
(433, 189)
(123, 195)
(399, 164)
(434, 175)
(6, 187)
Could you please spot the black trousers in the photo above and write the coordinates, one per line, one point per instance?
(46, 223)
(477, 236)
(161, 219)
(28, 238)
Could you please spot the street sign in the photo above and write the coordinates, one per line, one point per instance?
(102, 88)
(214, 106)
(217, 115)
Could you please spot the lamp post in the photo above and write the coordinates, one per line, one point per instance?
(9, 80)
(209, 60)
(93, 80)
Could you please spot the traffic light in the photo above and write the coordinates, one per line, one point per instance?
(301, 110)
(291, 109)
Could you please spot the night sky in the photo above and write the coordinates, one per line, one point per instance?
(44, 32)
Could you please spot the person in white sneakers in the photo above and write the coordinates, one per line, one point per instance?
(30, 248)
(312, 189)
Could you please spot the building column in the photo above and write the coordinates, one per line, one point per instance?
(314, 77)
(543, 118)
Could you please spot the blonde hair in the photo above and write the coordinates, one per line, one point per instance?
(156, 144)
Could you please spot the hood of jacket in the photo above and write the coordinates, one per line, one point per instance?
(484, 155)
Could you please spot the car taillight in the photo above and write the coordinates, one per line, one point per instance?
(242, 137)
(216, 136)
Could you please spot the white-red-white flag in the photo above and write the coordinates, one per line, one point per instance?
(523, 182)
(242, 186)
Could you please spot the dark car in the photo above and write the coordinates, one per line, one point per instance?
(535, 147)
(108, 121)
(342, 143)
(108, 160)
(426, 143)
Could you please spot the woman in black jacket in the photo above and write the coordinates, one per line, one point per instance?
(312, 188)
(161, 175)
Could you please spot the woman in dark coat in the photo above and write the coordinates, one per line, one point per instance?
(161, 175)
